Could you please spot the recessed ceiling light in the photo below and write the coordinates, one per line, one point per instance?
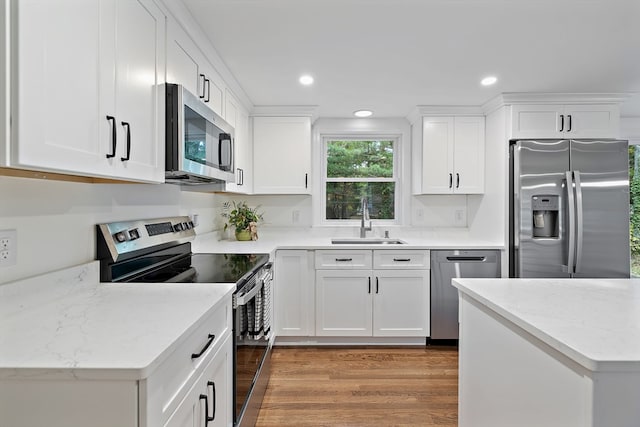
(488, 81)
(362, 113)
(306, 80)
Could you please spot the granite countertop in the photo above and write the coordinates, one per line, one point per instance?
(272, 240)
(66, 324)
(595, 322)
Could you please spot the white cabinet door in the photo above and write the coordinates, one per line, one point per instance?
(56, 118)
(565, 121)
(437, 155)
(293, 293)
(536, 121)
(593, 121)
(139, 76)
(209, 402)
(468, 155)
(344, 303)
(237, 117)
(401, 303)
(453, 155)
(183, 65)
(281, 155)
(89, 74)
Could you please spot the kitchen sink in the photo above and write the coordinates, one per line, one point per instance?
(367, 242)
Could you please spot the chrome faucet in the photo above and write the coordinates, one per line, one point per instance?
(365, 217)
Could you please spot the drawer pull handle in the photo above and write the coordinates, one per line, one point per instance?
(402, 259)
(344, 259)
(210, 339)
(213, 400)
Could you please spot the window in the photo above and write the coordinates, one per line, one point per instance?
(357, 168)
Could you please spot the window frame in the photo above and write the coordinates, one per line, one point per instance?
(396, 141)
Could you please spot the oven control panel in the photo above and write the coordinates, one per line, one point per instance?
(118, 238)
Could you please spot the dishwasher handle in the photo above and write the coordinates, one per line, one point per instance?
(466, 258)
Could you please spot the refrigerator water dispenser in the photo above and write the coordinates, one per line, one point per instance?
(545, 216)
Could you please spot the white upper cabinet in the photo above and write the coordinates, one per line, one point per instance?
(237, 117)
(188, 66)
(565, 121)
(452, 155)
(87, 92)
(281, 155)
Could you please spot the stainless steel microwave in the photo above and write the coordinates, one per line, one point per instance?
(199, 143)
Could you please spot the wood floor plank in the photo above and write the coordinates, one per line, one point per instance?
(373, 386)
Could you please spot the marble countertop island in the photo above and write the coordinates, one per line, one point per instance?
(68, 325)
(595, 322)
(549, 352)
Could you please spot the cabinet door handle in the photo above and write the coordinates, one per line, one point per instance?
(457, 180)
(213, 400)
(569, 126)
(113, 136)
(561, 122)
(210, 339)
(450, 180)
(128, 127)
(202, 85)
(208, 90)
(344, 259)
(207, 419)
(306, 180)
(402, 259)
(369, 291)
(377, 285)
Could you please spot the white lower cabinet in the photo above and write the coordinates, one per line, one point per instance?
(172, 395)
(344, 303)
(392, 302)
(209, 401)
(293, 293)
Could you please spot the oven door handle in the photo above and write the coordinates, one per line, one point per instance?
(244, 299)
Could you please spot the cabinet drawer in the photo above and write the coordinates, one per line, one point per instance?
(350, 259)
(401, 259)
(176, 375)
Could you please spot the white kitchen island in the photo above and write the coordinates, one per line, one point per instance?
(549, 352)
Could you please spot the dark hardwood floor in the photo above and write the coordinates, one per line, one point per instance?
(370, 386)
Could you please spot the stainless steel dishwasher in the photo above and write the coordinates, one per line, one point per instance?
(447, 265)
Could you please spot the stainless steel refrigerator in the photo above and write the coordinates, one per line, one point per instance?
(569, 208)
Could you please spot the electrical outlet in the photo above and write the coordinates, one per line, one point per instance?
(8, 247)
(420, 214)
(295, 216)
(459, 217)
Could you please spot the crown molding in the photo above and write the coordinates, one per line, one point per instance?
(285, 111)
(512, 98)
(443, 110)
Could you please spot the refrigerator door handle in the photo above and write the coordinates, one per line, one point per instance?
(579, 221)
(571, 241)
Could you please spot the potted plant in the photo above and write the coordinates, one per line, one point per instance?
(243, 218)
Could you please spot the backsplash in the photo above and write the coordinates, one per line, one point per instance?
(55, 220)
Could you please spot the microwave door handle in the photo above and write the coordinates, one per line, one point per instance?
(223, 137)
(244, 299)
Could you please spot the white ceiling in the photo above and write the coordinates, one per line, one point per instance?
(391, 55)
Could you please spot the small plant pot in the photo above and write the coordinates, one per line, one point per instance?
(243, 235)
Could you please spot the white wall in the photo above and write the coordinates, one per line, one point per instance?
(55, 220)
(487, 213)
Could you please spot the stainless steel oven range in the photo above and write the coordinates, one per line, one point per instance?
(159, 251)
